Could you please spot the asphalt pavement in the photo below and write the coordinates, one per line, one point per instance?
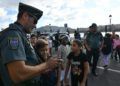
(110, 77)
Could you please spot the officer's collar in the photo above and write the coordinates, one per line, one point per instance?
(20, 25)
(17, 23)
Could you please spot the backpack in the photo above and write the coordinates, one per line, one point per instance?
(108, 46)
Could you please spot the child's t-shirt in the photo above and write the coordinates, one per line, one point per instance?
(116, 43)
(63, 52)
(77, 63)
(50, 43)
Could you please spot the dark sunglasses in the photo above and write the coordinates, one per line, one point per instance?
(35, 20)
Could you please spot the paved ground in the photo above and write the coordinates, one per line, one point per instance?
(106, 78)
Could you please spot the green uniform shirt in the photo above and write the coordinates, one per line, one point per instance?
(15, 47)
(94, 39)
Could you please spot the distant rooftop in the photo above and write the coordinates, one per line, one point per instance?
(49, 28)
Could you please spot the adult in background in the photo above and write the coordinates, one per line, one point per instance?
(50, 44)
(57, 40)
(77, 35)
(93, 44)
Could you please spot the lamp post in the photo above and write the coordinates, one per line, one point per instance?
(50, 28)
(110, 17)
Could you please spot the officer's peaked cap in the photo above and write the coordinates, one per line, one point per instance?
(31, 10)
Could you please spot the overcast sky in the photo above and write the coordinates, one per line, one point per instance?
(77, 13)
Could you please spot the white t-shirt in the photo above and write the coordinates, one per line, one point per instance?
(50, 43)
(63, 52)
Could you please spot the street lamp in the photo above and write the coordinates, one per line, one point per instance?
(110, 17)
(50, 28)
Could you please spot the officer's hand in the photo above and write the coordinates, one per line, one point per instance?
(46, 71)
(52, 63)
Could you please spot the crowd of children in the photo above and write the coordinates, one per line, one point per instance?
(74, 68)
(74, 65)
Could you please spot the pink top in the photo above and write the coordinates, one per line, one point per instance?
(116, 43)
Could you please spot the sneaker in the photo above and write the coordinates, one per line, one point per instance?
(105, 67)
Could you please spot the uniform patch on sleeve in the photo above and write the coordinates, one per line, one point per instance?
(13, 42)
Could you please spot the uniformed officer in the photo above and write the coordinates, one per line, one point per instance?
(18, 62)
(93, 43)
